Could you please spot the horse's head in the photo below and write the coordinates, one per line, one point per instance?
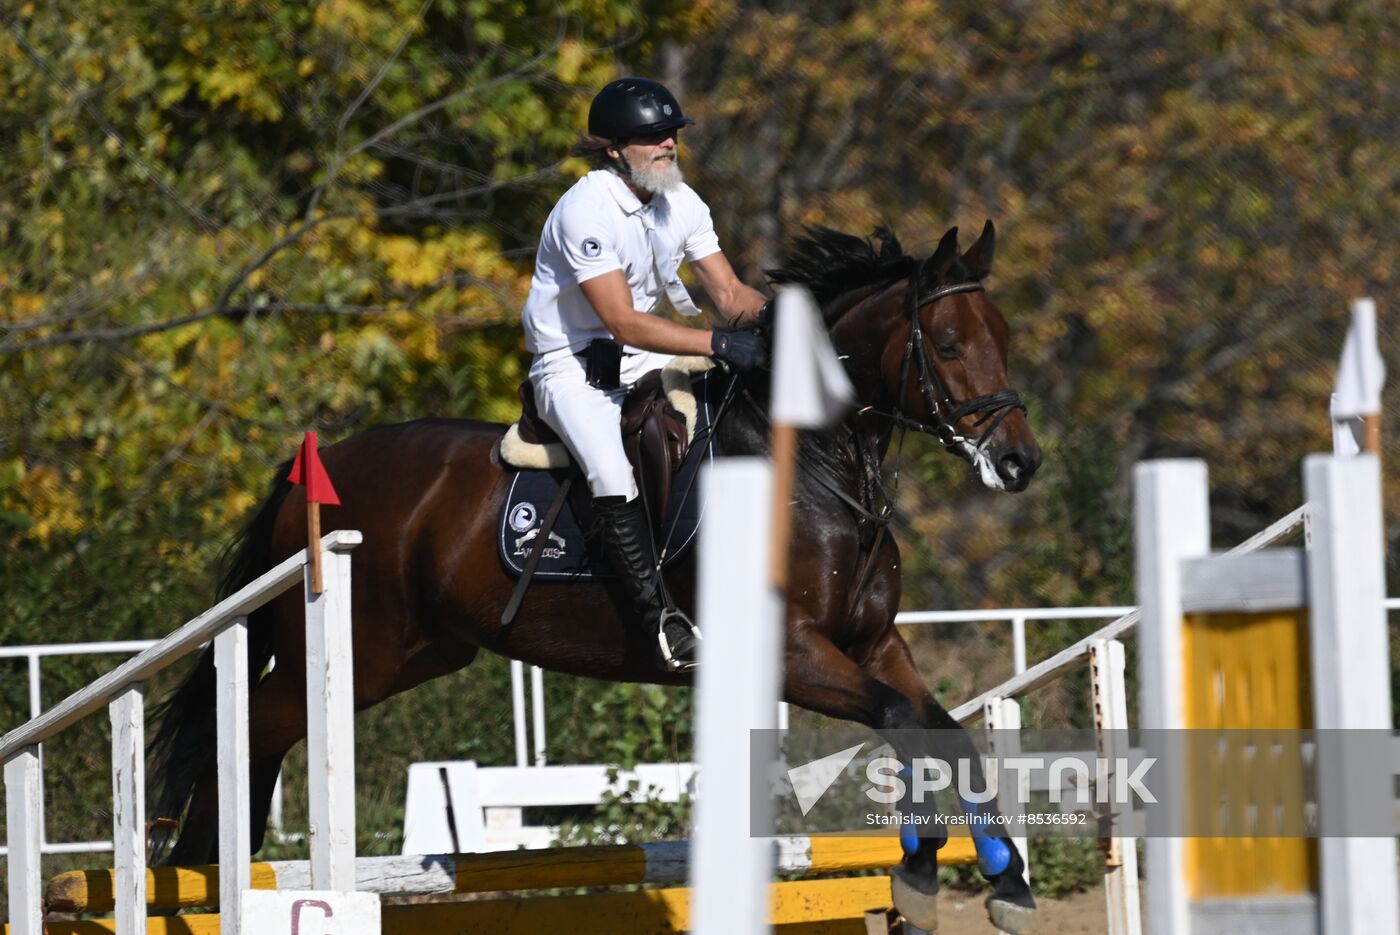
(949, 371)
(923, 344)
(935, 349)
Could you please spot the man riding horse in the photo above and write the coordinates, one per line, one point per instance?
(609, 250)
(926, 350)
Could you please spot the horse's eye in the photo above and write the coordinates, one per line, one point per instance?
(948, 351)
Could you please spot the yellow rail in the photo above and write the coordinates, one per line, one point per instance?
(618, 865)
(806, 907)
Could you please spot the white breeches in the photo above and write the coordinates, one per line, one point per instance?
(589, 420)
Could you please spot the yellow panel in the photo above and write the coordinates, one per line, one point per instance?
(1248, 673)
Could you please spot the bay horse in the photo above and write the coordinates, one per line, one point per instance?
(925, 349)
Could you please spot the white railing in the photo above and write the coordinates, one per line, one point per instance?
(330, 747)
(1043, 673)
(32, 655)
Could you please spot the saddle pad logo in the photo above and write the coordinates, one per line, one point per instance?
(522, 517)
(591, 247)
(554, 546)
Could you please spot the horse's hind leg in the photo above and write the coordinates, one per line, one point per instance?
(1010, 905)
(276, 721)
(198, 839)
(277, 715)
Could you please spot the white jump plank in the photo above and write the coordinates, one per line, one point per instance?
(129, 808)
(235, 823)
(22, 817)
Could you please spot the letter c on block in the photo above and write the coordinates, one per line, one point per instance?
(297, 907)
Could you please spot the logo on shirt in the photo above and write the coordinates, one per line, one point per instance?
(591, 247)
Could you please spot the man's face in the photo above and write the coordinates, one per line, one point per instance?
(652, 160)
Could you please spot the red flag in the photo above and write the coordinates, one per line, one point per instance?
(308, 471)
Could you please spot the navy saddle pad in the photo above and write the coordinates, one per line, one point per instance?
(568, 555)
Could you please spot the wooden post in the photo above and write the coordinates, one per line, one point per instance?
(313, 546)
(1372, 442)
(784, 469)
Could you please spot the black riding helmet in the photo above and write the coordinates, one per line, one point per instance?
(631, 107)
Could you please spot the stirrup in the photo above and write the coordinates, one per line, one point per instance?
(664, 648)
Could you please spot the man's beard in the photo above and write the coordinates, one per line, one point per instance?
(658, 176)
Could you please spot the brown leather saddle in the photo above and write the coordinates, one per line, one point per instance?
(654, 435)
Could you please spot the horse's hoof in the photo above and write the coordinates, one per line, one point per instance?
(915, 897)
(1011, 917)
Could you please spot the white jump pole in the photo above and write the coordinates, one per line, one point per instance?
(1351, 683)
(330, 713)
(235, 817)
(739, 680)
(127, 712)
(22, 819)
(1171, 522)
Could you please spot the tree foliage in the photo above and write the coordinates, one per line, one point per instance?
(1187, 196)
(228, 222)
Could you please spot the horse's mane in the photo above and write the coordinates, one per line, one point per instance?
(831, 263)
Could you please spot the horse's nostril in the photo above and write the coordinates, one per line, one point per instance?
(1011, 467)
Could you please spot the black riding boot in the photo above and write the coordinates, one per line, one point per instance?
(628, 544)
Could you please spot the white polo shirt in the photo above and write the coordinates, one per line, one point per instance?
(597, 227)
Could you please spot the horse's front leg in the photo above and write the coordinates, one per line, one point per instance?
(1010, 906)
(819, 677)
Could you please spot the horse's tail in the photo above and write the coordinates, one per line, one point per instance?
(184, 746)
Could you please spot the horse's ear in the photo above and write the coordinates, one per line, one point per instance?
(946, 253)
(979, 256)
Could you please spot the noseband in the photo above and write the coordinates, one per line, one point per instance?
(946, 413)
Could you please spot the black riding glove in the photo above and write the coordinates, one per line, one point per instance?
(742, 350)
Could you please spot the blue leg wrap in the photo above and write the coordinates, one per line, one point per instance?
(909, 839)
(908, 834)
(993, 854)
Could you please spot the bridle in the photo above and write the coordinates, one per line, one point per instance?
(946, 413)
